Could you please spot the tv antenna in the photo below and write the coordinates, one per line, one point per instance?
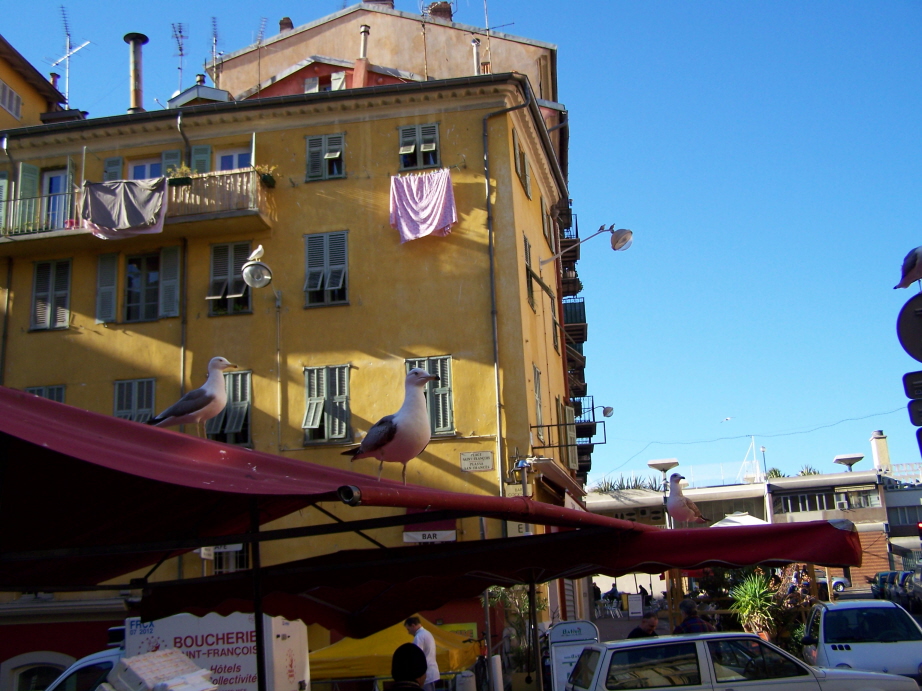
(214, 51)
(68, 51)
(262, 30)
(179, 36)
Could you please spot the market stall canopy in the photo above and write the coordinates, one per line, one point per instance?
(358, 592)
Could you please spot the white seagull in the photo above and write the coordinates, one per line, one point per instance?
(199, 405)
(912, 269)
(256, 254)
(400, 437)
(680, 507)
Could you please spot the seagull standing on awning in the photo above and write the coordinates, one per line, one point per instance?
(199, 405)
(680, 507)
(400, 437)
(912, 269)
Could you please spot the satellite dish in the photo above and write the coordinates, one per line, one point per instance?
(256, 274)
(621, 239)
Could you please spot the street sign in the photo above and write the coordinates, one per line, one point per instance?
(909, 327)
(915, 412)
(912, 384)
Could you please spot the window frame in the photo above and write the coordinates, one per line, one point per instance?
(49, 298)
(136, 410)
(233, 425)
(236, 153)
(322, 152)
(228, 294)
(326, 263)
(539, 403)
(146, 162)
(440, 390)
(145, 303)
(54, 392)
(418, 141)
(10, 100)
(327, 412)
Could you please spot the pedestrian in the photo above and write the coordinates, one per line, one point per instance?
(647, 626)
(692, 623)
(644, 596)
(596, 592)
(408, 668)
(424, 640)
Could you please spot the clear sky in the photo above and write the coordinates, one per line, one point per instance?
(767, 156)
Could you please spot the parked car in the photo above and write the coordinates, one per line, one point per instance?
(839, 583)
(898, 592)
(870, 635)
(914, 593)
(877, 583)
(893, 579)
(714, 661)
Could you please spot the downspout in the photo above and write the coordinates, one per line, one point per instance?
(500, 459)
(9, 269)
(187, 158)
(184, 315)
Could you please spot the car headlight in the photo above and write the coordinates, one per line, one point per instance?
(842, 665)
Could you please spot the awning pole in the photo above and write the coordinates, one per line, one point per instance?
(487, 629)
(535, 652)
(258, 600)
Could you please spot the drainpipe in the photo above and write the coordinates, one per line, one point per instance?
(14, 177)
(6, 319)
(188, 151)
(500, 459)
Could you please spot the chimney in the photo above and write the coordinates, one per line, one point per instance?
(135, 41)
(440, 10)
(475, 46)
(360, 71)
(285, 25)
(880, 452)
(200, 80)
(54, 77)
(386, 4)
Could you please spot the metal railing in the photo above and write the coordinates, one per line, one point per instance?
(238, 190)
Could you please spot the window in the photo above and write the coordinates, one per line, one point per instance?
(652, 666)
(151, 286)
(233, 159)
(232, 425)
(747, 660)
(904, 515)
(419, 146)
(147, 169)
(814, 501)
(529, 280)
(857, 498)
(52, 393)
(51, 295)
(539, 412)
(438, 393)
(227, 292)
(326, 416)
(327, 272)
(134, 399)
(231, 558)
(10, 101)
(325, 157)
(142, 276)
(522, 166)
(547, 227)
(35, 677)
(55, 205)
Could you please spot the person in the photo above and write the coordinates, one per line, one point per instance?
(408, 668)
(692, 623)
(644, 596)
(647, 626)
(596, 592)
(424, 640)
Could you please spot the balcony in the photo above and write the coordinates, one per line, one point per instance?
(569, 282)
(569, 244)
(574, 320)
(232, 201)
(587, 425)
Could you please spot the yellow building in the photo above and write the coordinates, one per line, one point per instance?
(296, 151)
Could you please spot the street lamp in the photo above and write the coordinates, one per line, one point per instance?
(607, 410)
(764, 465)
(621, 239)
(848, 459)
(664, 465)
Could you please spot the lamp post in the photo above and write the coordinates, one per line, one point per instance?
(664, 465)
(673, 576)
(764, 465)
(621, 239)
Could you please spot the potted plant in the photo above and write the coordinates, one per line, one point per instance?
(514, 601)
(266, 175)
(178, 176)
(754, 604)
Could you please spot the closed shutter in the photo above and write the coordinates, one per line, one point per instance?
(315, 158)
(338, 402)
(69, 210)
(201, 159)
(336, 260)
(55, 393)
(527, 168)
(238, 287)
(124, 398)
(112, 169)
(337, 81)
(315, 387)
(106, 288)
(170, 159)
(569, 599)
(41, 295)
(570, 435)
(169, 281)
(316, 262)
(408, 144)
(220, 272)
(27, 195)
(311, 85)
(440, 403)
(61, 304)
(238, 400)
(144, 402)
(515, 153)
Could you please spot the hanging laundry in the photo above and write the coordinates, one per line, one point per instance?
(423, 205)
(124, 208)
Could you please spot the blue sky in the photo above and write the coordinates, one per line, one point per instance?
(766, 155)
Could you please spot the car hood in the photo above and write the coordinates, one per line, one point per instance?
(846, 678)
(892, 658)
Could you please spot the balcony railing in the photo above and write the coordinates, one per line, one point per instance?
(210, 193)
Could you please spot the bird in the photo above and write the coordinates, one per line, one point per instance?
(256, 254)
(912, 269)
(727, 419)
(400, 437)
(199, 405)
(680, 507)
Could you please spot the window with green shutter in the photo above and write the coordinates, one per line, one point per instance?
(325, 157)
(326, 269)
(326, 412)
(539, 406)
(106, 288)
(112, 169)
(419, 146)
(529, 281)
(52, 393)
(134, 399)
(51, 295)
(227, 291)
(438, 393)
(232, 425)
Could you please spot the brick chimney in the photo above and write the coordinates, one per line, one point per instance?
(880, 452)
(285, 25)
(54, 77)
(440, 10)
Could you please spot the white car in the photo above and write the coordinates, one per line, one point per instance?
(714, 662)
(872, 635)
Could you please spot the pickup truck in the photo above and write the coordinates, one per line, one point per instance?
(714, 662)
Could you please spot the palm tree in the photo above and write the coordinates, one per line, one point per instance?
(773, 473)
(808, 470)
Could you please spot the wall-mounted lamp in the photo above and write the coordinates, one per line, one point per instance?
(621, 239)
(607, 410)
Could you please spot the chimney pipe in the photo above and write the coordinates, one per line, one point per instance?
(54, 79)
(880, 452)
(475, 46)
(200, 80)
(285, 24)
(135, 41)
(363, 48)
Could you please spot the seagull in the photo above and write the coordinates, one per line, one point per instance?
(199, 405)
(727, 419)
(680, 507)
(256, 254)
(400, 437)
(912, 269)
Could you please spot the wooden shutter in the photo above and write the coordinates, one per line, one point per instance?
(408, 146)
(124, 399)
(144, 400)
(27, 194)
(220, 272)
(216, 424)
(170, 159)
(238, 287)
(41, 295)
(315, 387)
(539, 405)
(68, 198)
(526, 166)
(337, 81)
(570, 435)
(429, 144)
(338, 402)
(515, 153)
(112, 169)
(61, 298)
(4, 201)
(315, 158)
(169, 281)
(315, 257)
(201, 159)
(334, 150)
(238, 400)
(440, 408)
(311, 85)
(336, 260)
(106, 288)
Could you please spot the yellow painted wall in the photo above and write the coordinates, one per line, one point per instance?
(33, 104)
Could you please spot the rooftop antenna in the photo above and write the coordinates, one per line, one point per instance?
(66, 57)
(262, 30)
(179, 36)
(259, 40)
(214, 51)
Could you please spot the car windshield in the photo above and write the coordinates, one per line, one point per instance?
(869, 625)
